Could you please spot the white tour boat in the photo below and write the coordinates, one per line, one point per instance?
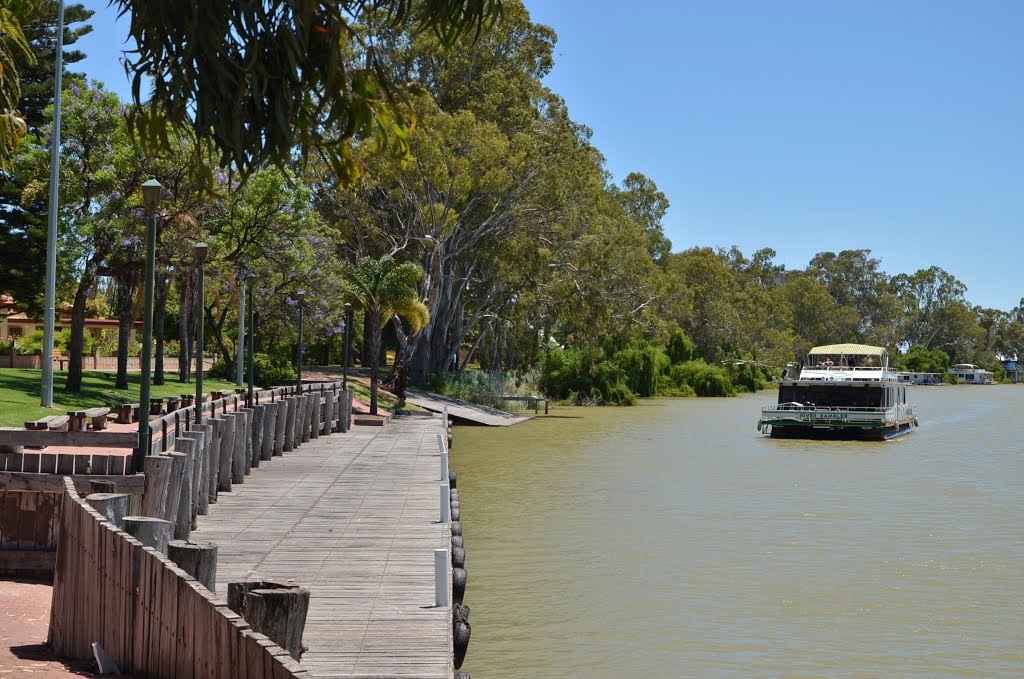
(968, 373)
(845, 391)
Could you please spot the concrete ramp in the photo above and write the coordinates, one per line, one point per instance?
(463, 410)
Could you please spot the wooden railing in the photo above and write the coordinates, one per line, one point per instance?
(150, 617)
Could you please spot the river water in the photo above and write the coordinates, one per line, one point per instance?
(672, 540)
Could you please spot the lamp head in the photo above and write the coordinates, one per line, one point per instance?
(201, 250)
(151, 194)
(301, 295)
(348, 307)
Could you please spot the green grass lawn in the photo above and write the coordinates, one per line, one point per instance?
(20, 390)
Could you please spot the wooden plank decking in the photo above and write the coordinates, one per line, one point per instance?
(353, 517)
(463, 410)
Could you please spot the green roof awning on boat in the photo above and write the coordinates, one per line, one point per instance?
(848, 350)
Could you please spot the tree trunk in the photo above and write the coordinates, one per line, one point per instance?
(77, 344)
(375, 346)
(124, 329)
(364, 350)
(159, 316)
(185, 324)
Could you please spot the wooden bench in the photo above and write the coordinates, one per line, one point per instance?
(172, 403)
(127, 413)
(52, 423)
(156, 406)
(80, 419)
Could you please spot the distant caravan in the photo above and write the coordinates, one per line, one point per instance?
(845, 391)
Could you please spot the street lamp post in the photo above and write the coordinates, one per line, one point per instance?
(252, 343)
(49, 313)
(151, 197)
(240, 350)
(302, 300)
(348, 345)
(201, 250)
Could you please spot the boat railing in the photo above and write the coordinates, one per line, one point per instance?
(810, 407)
(889, 415)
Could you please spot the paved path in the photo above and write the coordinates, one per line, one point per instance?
(463, 410)
(353, 517)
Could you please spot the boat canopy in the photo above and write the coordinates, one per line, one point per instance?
(851, 350)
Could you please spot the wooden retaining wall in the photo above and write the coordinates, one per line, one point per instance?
(150, 617)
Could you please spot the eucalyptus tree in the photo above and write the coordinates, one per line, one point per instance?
(273, 77)
(930, 298)
(855, 280)
(383, 288)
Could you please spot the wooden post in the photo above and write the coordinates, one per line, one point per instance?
(314, 422)
(246, 460)
(183, 517)
(158, 476)
(112, 506)
(280, 427)
(155, 533)
(329, 400)
(269, 426)
(238, 458)
(227, 452)
(258, 414)
(198, 481)
(289, 430)
(276, 610)
(197, 559)
(179, 466)
(215, 449)
(203, 504)
(307, 416)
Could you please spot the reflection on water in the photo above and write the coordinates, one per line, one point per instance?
(672, 540)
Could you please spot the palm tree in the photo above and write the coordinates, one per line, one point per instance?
(384, 288)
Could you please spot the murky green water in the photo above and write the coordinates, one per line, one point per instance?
(671, 540)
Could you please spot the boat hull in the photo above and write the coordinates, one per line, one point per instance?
(803, 431)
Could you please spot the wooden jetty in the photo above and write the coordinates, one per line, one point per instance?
(463, 410)
(355, 519)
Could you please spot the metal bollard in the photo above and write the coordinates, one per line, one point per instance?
(441, 577)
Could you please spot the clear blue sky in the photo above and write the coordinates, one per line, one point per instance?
(804, 126)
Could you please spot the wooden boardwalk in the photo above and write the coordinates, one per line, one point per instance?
(463, 410)
(354, 518)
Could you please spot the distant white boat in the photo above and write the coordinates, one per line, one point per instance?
(845, 391)
(968, 373)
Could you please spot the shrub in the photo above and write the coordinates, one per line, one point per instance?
(680, 349)
(704, 379)
(270, 371)
(642, 363)
(482, 387)
(585, 374)
(747, 377)
(219, 369)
